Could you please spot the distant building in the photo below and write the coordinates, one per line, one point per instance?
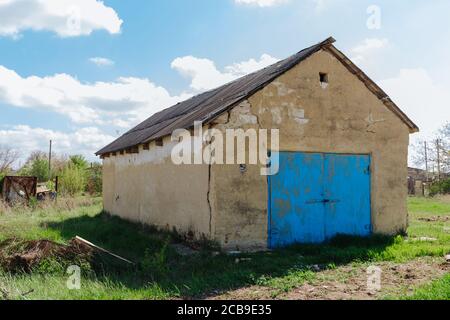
(418, 182)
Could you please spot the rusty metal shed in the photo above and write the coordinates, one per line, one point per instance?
(19, 188)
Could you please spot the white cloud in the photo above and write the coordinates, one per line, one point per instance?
(66, 18)
(365, 51)
(102, 62)
(205, 75)
(203, 72)
(322, 5)
(422, 99)
(261, 3)
(119, 104)
(252, 65)
(85, 141)
(125, 101)
(319, 5)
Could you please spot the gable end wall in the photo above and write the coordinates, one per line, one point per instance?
(343, 118)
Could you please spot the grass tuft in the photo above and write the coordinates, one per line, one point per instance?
(437, 290)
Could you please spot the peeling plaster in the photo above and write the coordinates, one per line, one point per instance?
(298, 115)
(371, 122)
(276, 115)
(242, 115)
(156, 155)
(282, 89)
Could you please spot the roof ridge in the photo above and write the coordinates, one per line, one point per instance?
(216, 90)
(208, 105)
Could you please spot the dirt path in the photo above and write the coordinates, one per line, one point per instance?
(350, 282)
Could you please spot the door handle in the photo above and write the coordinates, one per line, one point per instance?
(325, 201)
(330, 201)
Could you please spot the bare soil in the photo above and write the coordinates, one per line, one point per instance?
(21, 256)
(350, 282)
(436, 219)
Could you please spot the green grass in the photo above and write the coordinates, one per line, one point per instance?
(161, 273)
(428, 206)
(438, 290)
(421, 208)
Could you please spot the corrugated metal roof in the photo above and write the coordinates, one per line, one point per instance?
(209, 105)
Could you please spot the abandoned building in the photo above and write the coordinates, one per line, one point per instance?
(342, 160)
(419, 182)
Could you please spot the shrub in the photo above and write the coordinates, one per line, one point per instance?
(2, 176)
(3, 207)
(94, 181)
(442, 187)
(72, 180)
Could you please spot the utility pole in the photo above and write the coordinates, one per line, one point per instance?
(426, 160)
(50, 160)
(438, 159)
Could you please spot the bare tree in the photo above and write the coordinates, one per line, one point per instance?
(37, 155)
(434, 154)
(7, 158)
(444, 148)
(420, 154)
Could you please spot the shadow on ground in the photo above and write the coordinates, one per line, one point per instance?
(205, 273)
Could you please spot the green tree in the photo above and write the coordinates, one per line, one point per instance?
(79, 161)
(37, 168)
(72, 180)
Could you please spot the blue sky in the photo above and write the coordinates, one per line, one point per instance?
(81, 72)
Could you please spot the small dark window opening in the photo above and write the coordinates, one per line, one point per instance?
(323, 77)
(159, 142)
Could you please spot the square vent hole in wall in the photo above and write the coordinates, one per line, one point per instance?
(323, 80)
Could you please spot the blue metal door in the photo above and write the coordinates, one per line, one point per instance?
(316, 196)
(297, 215)
(347, 190)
